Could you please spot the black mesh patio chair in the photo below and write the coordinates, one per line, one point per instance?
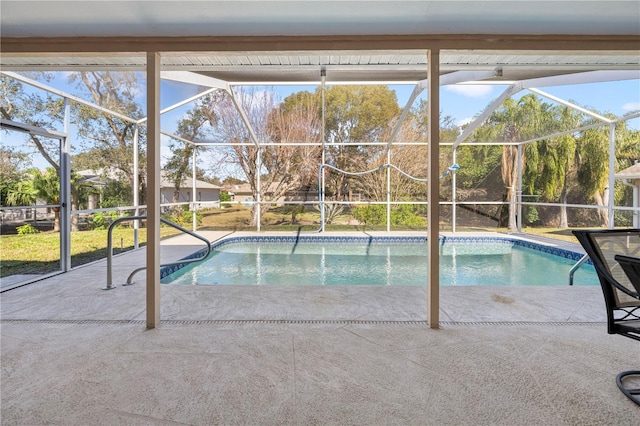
(615, 254)
(631, 267)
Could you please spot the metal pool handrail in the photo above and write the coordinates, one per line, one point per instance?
(135, 271)
(575, 267)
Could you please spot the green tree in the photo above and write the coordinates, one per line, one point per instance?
(513, 122)
(230, 180)
(115, 193)
(47, 187)
(593, 162)
(628, 153)
(36, 109)
(593, 168)
(110, 138)
(355, 114)
(12, 171)
(21, 194)
(552, 161)
(192, 126)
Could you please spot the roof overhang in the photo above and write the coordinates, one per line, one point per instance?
(306, 67)
(280, 41)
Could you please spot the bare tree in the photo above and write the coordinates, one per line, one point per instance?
(281, 168)
(411, 159)
(298, 165)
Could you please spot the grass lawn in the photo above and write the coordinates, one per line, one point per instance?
(40, 253)
(559, 234)
(238, 218)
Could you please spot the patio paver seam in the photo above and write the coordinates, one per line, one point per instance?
(293, 322)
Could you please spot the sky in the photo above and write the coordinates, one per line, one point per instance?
(462, 102)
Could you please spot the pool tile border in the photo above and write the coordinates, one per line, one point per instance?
(555, 251)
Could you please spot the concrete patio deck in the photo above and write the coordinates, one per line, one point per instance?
(75, 354)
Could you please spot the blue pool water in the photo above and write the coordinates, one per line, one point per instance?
(398, 262)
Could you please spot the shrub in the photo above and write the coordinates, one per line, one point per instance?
(116, 193)
(331, 211)
(401, 215)
(375, 214)
(531, 215)
(405, 215)
(26, 229)
(183, 217)
(102, 220)
(294, 210)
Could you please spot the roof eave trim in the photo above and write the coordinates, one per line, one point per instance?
(118, 45)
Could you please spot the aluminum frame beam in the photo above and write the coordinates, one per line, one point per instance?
(66, 95)
(511, 90)
(245, 119)
(445, 80)
(213, 83)
(420, 86)
(26, 128)
(570, 105)
(195, 79)
(582, 78)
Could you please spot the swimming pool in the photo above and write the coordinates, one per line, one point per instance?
(397, 261)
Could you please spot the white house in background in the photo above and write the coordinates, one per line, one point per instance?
(96, 179)
(206, 193)
(631, 177)
(242, 193)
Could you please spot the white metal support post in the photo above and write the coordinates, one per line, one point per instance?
(519, 191)
(636, 212)
(323, 76)
(433, 192)
(612, 172)
(453, 192)
(193, 191)
(65, 192)
(136, 186)
(389, 190)
(153, 189)
(321, 200)
(258, 202)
